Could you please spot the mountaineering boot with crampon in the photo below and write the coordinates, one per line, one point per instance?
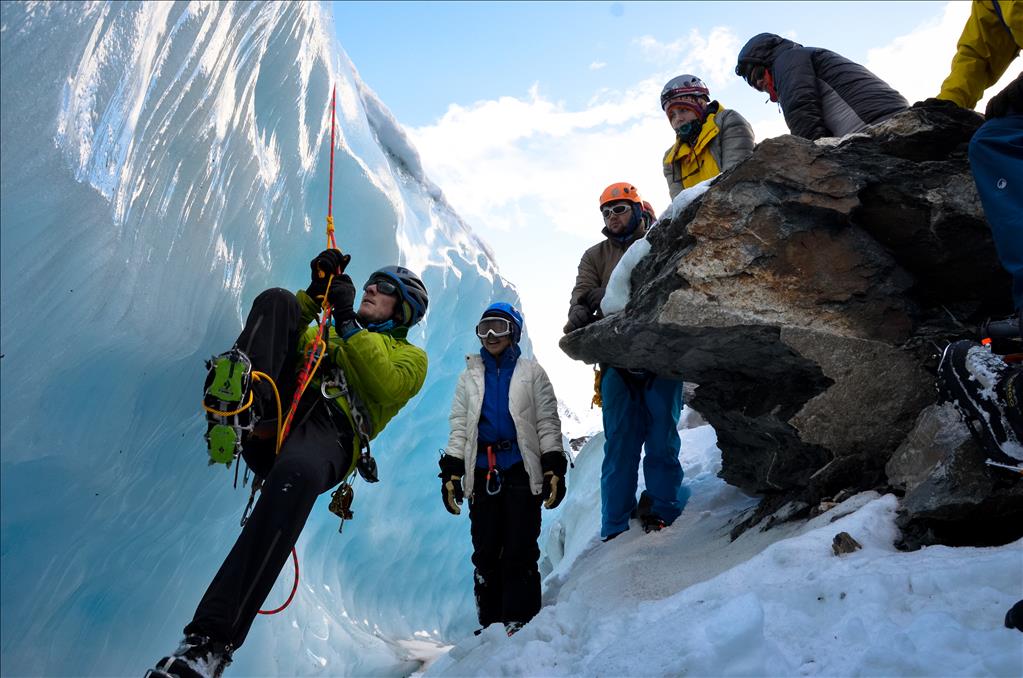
(227, 401)
(196, 657)
(652, 523)
(986, 390)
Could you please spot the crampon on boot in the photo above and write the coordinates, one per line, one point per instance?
(986, 391)
(227, 402)
(511, 628)
(196, 657)
(652, 523)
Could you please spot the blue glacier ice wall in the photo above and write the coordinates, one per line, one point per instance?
(162, 164)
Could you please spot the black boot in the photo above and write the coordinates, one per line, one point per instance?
(986, 390)
(196, 657)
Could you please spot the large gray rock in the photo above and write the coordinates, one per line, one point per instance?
(806, 293)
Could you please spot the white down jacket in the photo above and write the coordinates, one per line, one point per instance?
(532, 405)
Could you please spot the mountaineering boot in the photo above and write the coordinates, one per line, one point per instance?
(643, 506)
(1014, 617)
(196, 657)
(986, 391)
(652, 523)
(227, 401)
(511, 628)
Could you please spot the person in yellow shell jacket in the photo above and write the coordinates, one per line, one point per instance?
(991, 39)
(368, 372)
(709, 138)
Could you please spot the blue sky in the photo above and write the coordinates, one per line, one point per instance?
(523, 112)
(420, 57)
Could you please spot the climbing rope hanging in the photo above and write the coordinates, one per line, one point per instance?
(317, 347)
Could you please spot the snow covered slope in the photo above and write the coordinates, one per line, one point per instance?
(162, 164)
(686, 601)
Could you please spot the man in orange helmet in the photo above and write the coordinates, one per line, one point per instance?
(639, 407)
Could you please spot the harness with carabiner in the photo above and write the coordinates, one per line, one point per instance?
(342, 497)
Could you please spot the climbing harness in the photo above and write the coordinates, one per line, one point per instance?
(493, 473)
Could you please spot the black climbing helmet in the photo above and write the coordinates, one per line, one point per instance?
(760, 50)
(414, 297)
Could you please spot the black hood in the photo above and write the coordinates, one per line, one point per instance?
(762, 50)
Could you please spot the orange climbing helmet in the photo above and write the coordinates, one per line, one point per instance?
(621, 190)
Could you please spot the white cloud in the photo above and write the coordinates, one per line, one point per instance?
(710, 57)
(526, 171)
(597, 65)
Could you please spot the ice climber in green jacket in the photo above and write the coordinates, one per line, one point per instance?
(368, 373)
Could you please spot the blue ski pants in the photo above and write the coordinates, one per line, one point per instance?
(639, 412)
(996, 158)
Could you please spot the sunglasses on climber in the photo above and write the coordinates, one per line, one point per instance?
(499, 327)
(753, 76)
(383, 285)
(620, 208)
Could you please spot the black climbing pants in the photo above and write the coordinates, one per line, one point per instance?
(314, 458)
(505, 528)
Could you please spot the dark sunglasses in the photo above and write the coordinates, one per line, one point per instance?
(383, 285)
(617, 209)
(752, 74)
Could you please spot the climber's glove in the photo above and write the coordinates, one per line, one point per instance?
(578, 316)
(1006, 102)
(594, 297)
(451, 470)
(341, 297)
(935, 104)
(554, 466)
(324, 265)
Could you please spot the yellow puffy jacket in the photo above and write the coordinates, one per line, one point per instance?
(991, 39)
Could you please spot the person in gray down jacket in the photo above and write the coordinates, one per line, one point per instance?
(505, 453)
(709, 138)
(821, 93)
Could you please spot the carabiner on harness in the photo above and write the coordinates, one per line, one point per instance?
(493, 473)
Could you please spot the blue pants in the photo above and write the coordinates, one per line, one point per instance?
(638, 412)
(996, 158)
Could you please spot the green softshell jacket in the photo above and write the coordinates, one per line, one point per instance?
(384, 369)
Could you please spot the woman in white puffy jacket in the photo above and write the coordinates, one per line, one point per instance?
(505, 449)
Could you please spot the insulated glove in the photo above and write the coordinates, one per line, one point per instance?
(578, 316)
(341, 297)
(451, 470)
(594, 297)
(936, 104)
(1006, 102)
(323, 265)
(554, 466)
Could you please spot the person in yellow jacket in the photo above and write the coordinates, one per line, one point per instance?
(369, 372)
(991, 40)
(985, 389)
(709, 138)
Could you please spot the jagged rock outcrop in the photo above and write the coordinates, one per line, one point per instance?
(807, 293)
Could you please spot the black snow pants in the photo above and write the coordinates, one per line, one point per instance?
(505, 529)
(314, 458)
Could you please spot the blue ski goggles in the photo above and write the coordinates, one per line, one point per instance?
(499, 327)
